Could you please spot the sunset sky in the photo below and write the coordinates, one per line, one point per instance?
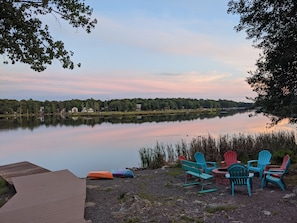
(143, 48)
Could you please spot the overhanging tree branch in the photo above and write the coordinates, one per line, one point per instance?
(24, 38)
(273, 27)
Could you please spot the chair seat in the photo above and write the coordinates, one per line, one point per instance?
(272, 178)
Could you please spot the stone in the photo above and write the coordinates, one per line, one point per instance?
(289, 195)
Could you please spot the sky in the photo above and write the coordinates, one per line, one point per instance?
(143, 49)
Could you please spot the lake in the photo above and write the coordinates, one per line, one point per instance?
(89, 146)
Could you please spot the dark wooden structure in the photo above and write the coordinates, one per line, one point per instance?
(42, 195)
(20, 169)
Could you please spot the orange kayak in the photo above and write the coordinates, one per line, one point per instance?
(100, 175)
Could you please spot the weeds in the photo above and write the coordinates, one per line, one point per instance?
(220, 208)
(247, 148)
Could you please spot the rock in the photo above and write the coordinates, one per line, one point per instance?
(289, 195)
(90, 204)
(198, 202)
(267, 213)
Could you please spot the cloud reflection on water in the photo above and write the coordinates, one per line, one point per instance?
(108, 146)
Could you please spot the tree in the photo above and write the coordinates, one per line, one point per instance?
(24, 38)
(272, 24)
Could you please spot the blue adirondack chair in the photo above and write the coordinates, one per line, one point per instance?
(239, 175)
(206, 166)
(276, 175)
(259, 165)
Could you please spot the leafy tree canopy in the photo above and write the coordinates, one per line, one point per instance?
(272, 24)
(25, 38)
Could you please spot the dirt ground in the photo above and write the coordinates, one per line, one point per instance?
(159, 196)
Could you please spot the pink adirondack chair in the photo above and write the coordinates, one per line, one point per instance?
(230, 157)
(281, 167)
(276, 175)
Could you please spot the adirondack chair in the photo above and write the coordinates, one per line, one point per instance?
(230, 157)
(263, 160)
(239, 175)
(181, 157)
(194, 169)
(206, 166)
(276, 175)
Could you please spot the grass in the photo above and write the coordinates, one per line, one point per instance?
(174, 172)
(220, 208)
(247, 148)
(4, 189)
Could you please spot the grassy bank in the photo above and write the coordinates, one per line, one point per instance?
(120, 113)
(247, 148)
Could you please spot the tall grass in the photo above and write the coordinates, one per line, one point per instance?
(247, 148)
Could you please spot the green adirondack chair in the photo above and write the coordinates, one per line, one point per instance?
(207, 166)
(259, 165)
(276, 175)
(239, 175)
(194, 169)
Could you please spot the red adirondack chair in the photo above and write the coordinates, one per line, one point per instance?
(230, 157)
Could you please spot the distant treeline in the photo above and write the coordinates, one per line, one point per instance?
(31, 106)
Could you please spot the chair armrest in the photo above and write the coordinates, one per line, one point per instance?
(263, 165)
(274, 172)
(251, 161)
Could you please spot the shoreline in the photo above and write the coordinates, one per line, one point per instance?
(158, 196)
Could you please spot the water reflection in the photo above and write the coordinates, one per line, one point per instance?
(85, 145)
(31, 123)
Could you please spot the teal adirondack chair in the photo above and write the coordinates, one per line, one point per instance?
(239, 175)
(207, 166)
(276, 175)
(259, 165)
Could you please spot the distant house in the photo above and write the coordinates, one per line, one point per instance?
(88, 110)
(41, 110)
(74, 110)
(138, 107)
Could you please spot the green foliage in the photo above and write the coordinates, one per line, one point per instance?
(117, 105)
(272, 26)
(153, 158)
(3, 183)
(4, 188)
(26, 39)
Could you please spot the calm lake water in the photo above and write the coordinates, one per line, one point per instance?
(82, 148)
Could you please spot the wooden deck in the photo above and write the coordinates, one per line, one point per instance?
(20, 169)
(46, 197)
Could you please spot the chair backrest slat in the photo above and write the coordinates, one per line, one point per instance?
(238, 173)
(264, 157)
(230, 157)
